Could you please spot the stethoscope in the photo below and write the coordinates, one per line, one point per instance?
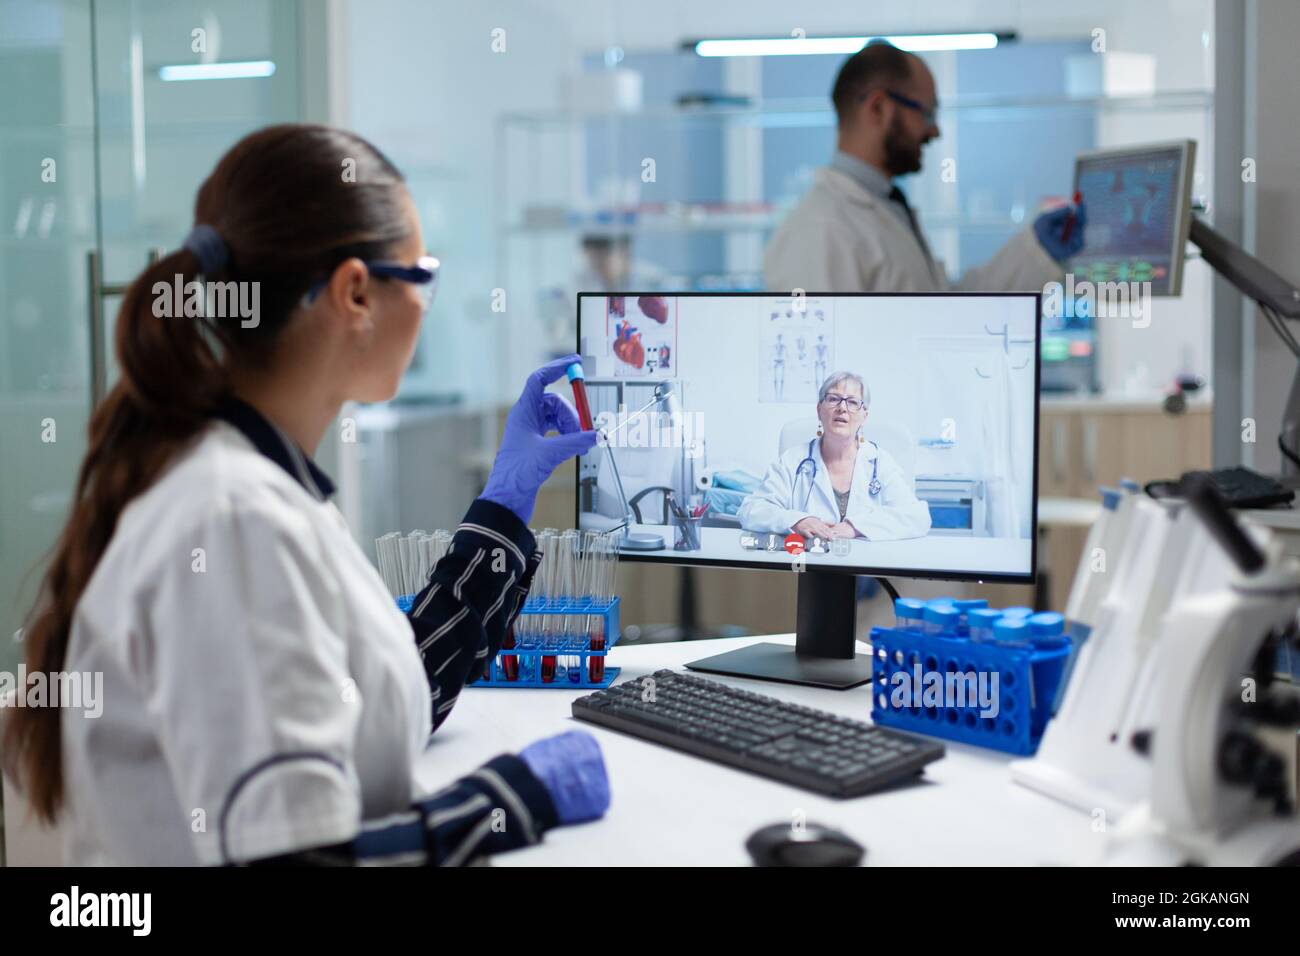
(808, 466)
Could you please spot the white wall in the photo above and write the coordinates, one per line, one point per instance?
(427, 88)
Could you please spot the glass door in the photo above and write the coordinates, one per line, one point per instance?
(178, 82)
(47, 223)
(121, 108)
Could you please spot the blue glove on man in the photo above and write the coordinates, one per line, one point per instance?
(1060, 231)
(572, 770)
(527, 457)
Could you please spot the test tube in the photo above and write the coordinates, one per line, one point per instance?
(577, 379)
(981, 621)
(1013, 631)
(595, 623)
(605, 567)
(908, 613)
(381, 562)
(940, 618)
(547, 569)
(508, 663)
(586, 593)
(1047, 629)
(1017, 611)
(964, 607)
(569, 557)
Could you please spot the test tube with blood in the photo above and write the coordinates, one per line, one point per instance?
(1071, 217)
(577, 379)
(509, 662)
(604, 551)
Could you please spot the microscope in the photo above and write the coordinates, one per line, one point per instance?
(1171, 723)
(1220, 732)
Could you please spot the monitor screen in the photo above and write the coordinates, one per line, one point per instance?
(877, 434)
(1138, 206)
(1070, 348)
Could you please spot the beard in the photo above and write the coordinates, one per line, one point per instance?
(902, 156)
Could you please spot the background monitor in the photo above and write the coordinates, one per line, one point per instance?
(1070, 348)
(711, 405)
(1139, 210)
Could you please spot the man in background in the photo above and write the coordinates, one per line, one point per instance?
(854, 230)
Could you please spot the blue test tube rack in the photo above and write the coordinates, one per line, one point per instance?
(575, 650)
(529, 671)
(1029, 677)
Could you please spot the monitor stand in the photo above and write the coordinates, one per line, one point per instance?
(825, 651)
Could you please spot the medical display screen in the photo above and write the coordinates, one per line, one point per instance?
(1137, 216)
(874, 433)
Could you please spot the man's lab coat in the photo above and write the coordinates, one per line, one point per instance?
(842, 238)
(779, 504)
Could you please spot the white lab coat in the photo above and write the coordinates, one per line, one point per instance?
(235, 621)
(779, 504)
(842, 238)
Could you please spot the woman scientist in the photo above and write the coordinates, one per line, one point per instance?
(838, 485)
(263, 698)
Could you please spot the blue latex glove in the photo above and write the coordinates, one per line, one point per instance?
(527, 457)
(572, 770)
(1050, 230)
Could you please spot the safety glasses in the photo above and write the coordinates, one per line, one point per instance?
(423, 275)
(927, 113)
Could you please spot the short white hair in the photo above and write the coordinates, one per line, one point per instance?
(837, 378)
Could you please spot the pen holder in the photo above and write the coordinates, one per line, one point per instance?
(571, 657)
(686, 533)
(942, 685)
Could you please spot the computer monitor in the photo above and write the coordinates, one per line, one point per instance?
(829, 435)
(1138, 202)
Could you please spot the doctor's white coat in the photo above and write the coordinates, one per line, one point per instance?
(778, 505)
(842, 238)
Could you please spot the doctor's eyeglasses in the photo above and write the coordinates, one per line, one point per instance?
(423, 275)
(835, 401)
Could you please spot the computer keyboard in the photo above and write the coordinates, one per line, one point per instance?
(809, 748)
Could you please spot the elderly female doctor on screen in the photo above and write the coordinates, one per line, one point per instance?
(838, 485)
(263, 698)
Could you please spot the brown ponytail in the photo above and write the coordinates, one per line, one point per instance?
(290, 203)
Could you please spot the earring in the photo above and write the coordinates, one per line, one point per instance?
(820, 431)
(861, 441)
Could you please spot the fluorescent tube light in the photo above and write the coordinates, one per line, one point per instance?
(796, 46)
(245, 69)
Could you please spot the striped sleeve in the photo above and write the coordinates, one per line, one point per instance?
(501, 806)
(472, 597)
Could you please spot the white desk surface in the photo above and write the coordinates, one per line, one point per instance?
(670, 808)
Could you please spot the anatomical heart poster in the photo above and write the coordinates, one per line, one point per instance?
(641, 334)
